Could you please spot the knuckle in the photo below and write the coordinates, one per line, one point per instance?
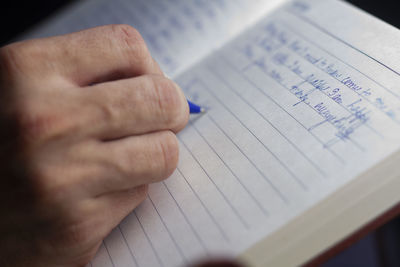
(171, 103)
(33, 125)
(10, 52)
(127, 33)
(43, 117)
(21, 57)
(9, 58)
(105, 111)
(132, 42)
(168, 153)
(156, 163)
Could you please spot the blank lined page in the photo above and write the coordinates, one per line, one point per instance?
(295, 109)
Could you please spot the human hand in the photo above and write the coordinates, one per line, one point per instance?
(87, 120)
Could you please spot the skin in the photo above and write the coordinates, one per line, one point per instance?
(87, 121)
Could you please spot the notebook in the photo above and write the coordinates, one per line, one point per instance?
(299, 146)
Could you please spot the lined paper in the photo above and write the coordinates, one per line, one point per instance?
(177, 32)
(297, 106)
(294, 112)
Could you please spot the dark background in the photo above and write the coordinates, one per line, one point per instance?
(16, 16)
(380, 248)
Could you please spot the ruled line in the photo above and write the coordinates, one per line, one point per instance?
(310, 22)
(223, 234)
(222, 104)
(314, 89)
(235, 211)
(128, 246)
(340, 105)
(187, 220)
(105, 246)
(265, 177)
(169, 232)
(255, 200)
(322, 172)
(335, 78)
(148, 239)
(262, 68)
(306, 39)
(252, 64)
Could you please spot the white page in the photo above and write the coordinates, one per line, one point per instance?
(178, 32)
(272, 143)
(267, 149)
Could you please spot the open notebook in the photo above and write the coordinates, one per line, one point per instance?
(299, 146)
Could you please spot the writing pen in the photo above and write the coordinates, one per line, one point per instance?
(195, 109)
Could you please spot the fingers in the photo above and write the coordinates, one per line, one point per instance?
(136, 106)
(91, 56)
(121, 108)
(135, 161)
(105, 53)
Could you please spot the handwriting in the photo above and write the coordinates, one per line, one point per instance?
(338, 94)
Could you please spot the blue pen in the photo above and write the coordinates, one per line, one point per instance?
(195, 109)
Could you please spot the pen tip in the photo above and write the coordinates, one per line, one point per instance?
(202, 110)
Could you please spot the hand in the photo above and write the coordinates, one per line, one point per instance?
(87, 120)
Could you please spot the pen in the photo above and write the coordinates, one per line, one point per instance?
(194, 109)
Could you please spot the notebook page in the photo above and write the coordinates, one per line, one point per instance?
(178, 32)
(297, 107)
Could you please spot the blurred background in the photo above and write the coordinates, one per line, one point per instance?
(378, 248)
